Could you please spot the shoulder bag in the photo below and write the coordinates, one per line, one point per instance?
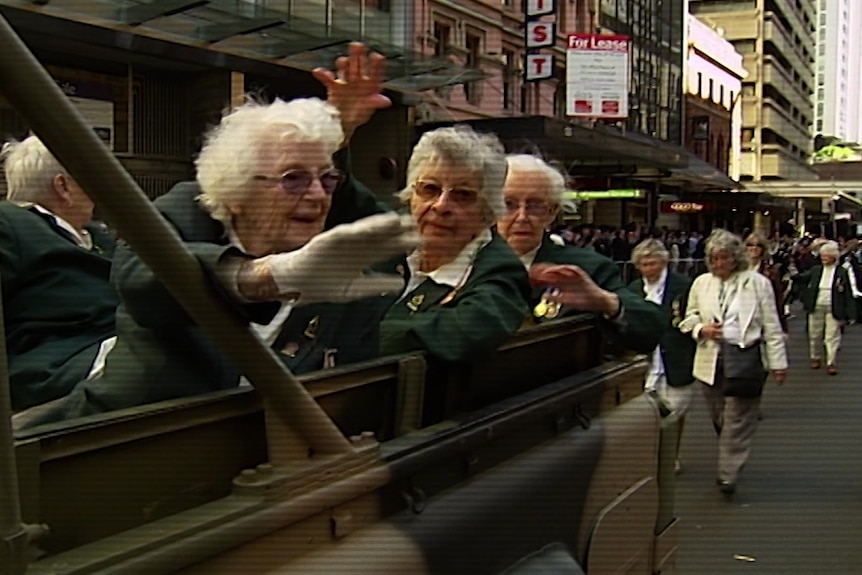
(744, 375)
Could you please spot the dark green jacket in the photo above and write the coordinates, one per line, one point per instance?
(641, 325)
(843, 305)
(58, 304)
(677, 349)
(162, 354)
(460, 326)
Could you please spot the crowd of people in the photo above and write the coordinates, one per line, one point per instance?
(328, 275)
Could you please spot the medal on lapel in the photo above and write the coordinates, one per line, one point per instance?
(546, 308)
(675, 310)
(415, 302)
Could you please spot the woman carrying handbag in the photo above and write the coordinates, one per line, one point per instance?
(733, 318)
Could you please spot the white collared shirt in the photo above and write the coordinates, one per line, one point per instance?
(266, 332)
(654, 292)
(453, 274)
(82, 237)
(528, 258)
(824, 290)
(729, 305)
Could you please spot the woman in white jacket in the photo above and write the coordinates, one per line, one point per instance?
(733, 306)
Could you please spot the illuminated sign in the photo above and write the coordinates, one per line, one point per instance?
(681, 207)
(618, 194)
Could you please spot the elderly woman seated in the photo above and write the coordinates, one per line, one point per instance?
(466, 291)
(576, 280)
(266, 189)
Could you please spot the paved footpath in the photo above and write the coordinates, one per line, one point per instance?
(798, 507)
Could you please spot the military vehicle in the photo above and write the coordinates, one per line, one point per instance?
(546, 458)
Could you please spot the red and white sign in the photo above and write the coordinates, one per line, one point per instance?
(541, 7)
(540, 34)
(539, 66)
(597, 76)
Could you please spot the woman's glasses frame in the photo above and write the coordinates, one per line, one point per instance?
(429, 191)
(534, 208)
(297, 182)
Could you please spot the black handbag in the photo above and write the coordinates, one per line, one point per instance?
(743, 371)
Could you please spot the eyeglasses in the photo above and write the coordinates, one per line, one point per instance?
(297, 182)
(753, 246)
(430, 191)
(536, 208)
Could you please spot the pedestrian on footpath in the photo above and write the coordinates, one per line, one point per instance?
(670, 371)
(732, 316)
(827, 296)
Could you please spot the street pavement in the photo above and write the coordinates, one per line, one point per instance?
(798, 506)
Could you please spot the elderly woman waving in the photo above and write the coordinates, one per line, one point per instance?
(262, 218)
(465, 290)
(578, 280)
(732, 317)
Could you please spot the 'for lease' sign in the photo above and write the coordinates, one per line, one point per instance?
(597, 76)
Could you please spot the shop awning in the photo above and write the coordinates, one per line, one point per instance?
(576, 144)
(848, 191)
(289, 37)
(702, 176)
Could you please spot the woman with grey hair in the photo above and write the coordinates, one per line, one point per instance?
(732, 316)
(827, 297)
(670, 371)
(465, 290)
(569, 279)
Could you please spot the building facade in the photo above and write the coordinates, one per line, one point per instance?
(714, 76)
(838, 99)
(776, 39)
(600, 155)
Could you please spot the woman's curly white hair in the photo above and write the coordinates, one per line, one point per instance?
(231, 152)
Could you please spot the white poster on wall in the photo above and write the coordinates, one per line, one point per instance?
(597, 76)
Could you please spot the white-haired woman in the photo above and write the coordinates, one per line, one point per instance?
(732, 317)
(671, 364)
(266, 190)
(575, 280)
(58, 303)
(827, 296)
(466, 291)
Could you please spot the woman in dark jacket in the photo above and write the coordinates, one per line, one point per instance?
(586, 281)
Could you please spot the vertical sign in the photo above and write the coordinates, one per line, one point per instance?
(539, 33)
(541, 7)
(597, 76)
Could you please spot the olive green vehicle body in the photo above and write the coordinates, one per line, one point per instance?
(546, 457)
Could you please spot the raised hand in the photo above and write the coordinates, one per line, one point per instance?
(355, 87)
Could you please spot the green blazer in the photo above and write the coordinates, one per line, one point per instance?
(677, 349)
(162, 354)
(460, 325)
(641, 324)
(843, 304)
(58, 305)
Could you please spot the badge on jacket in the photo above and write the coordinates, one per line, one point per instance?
(415, 302)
